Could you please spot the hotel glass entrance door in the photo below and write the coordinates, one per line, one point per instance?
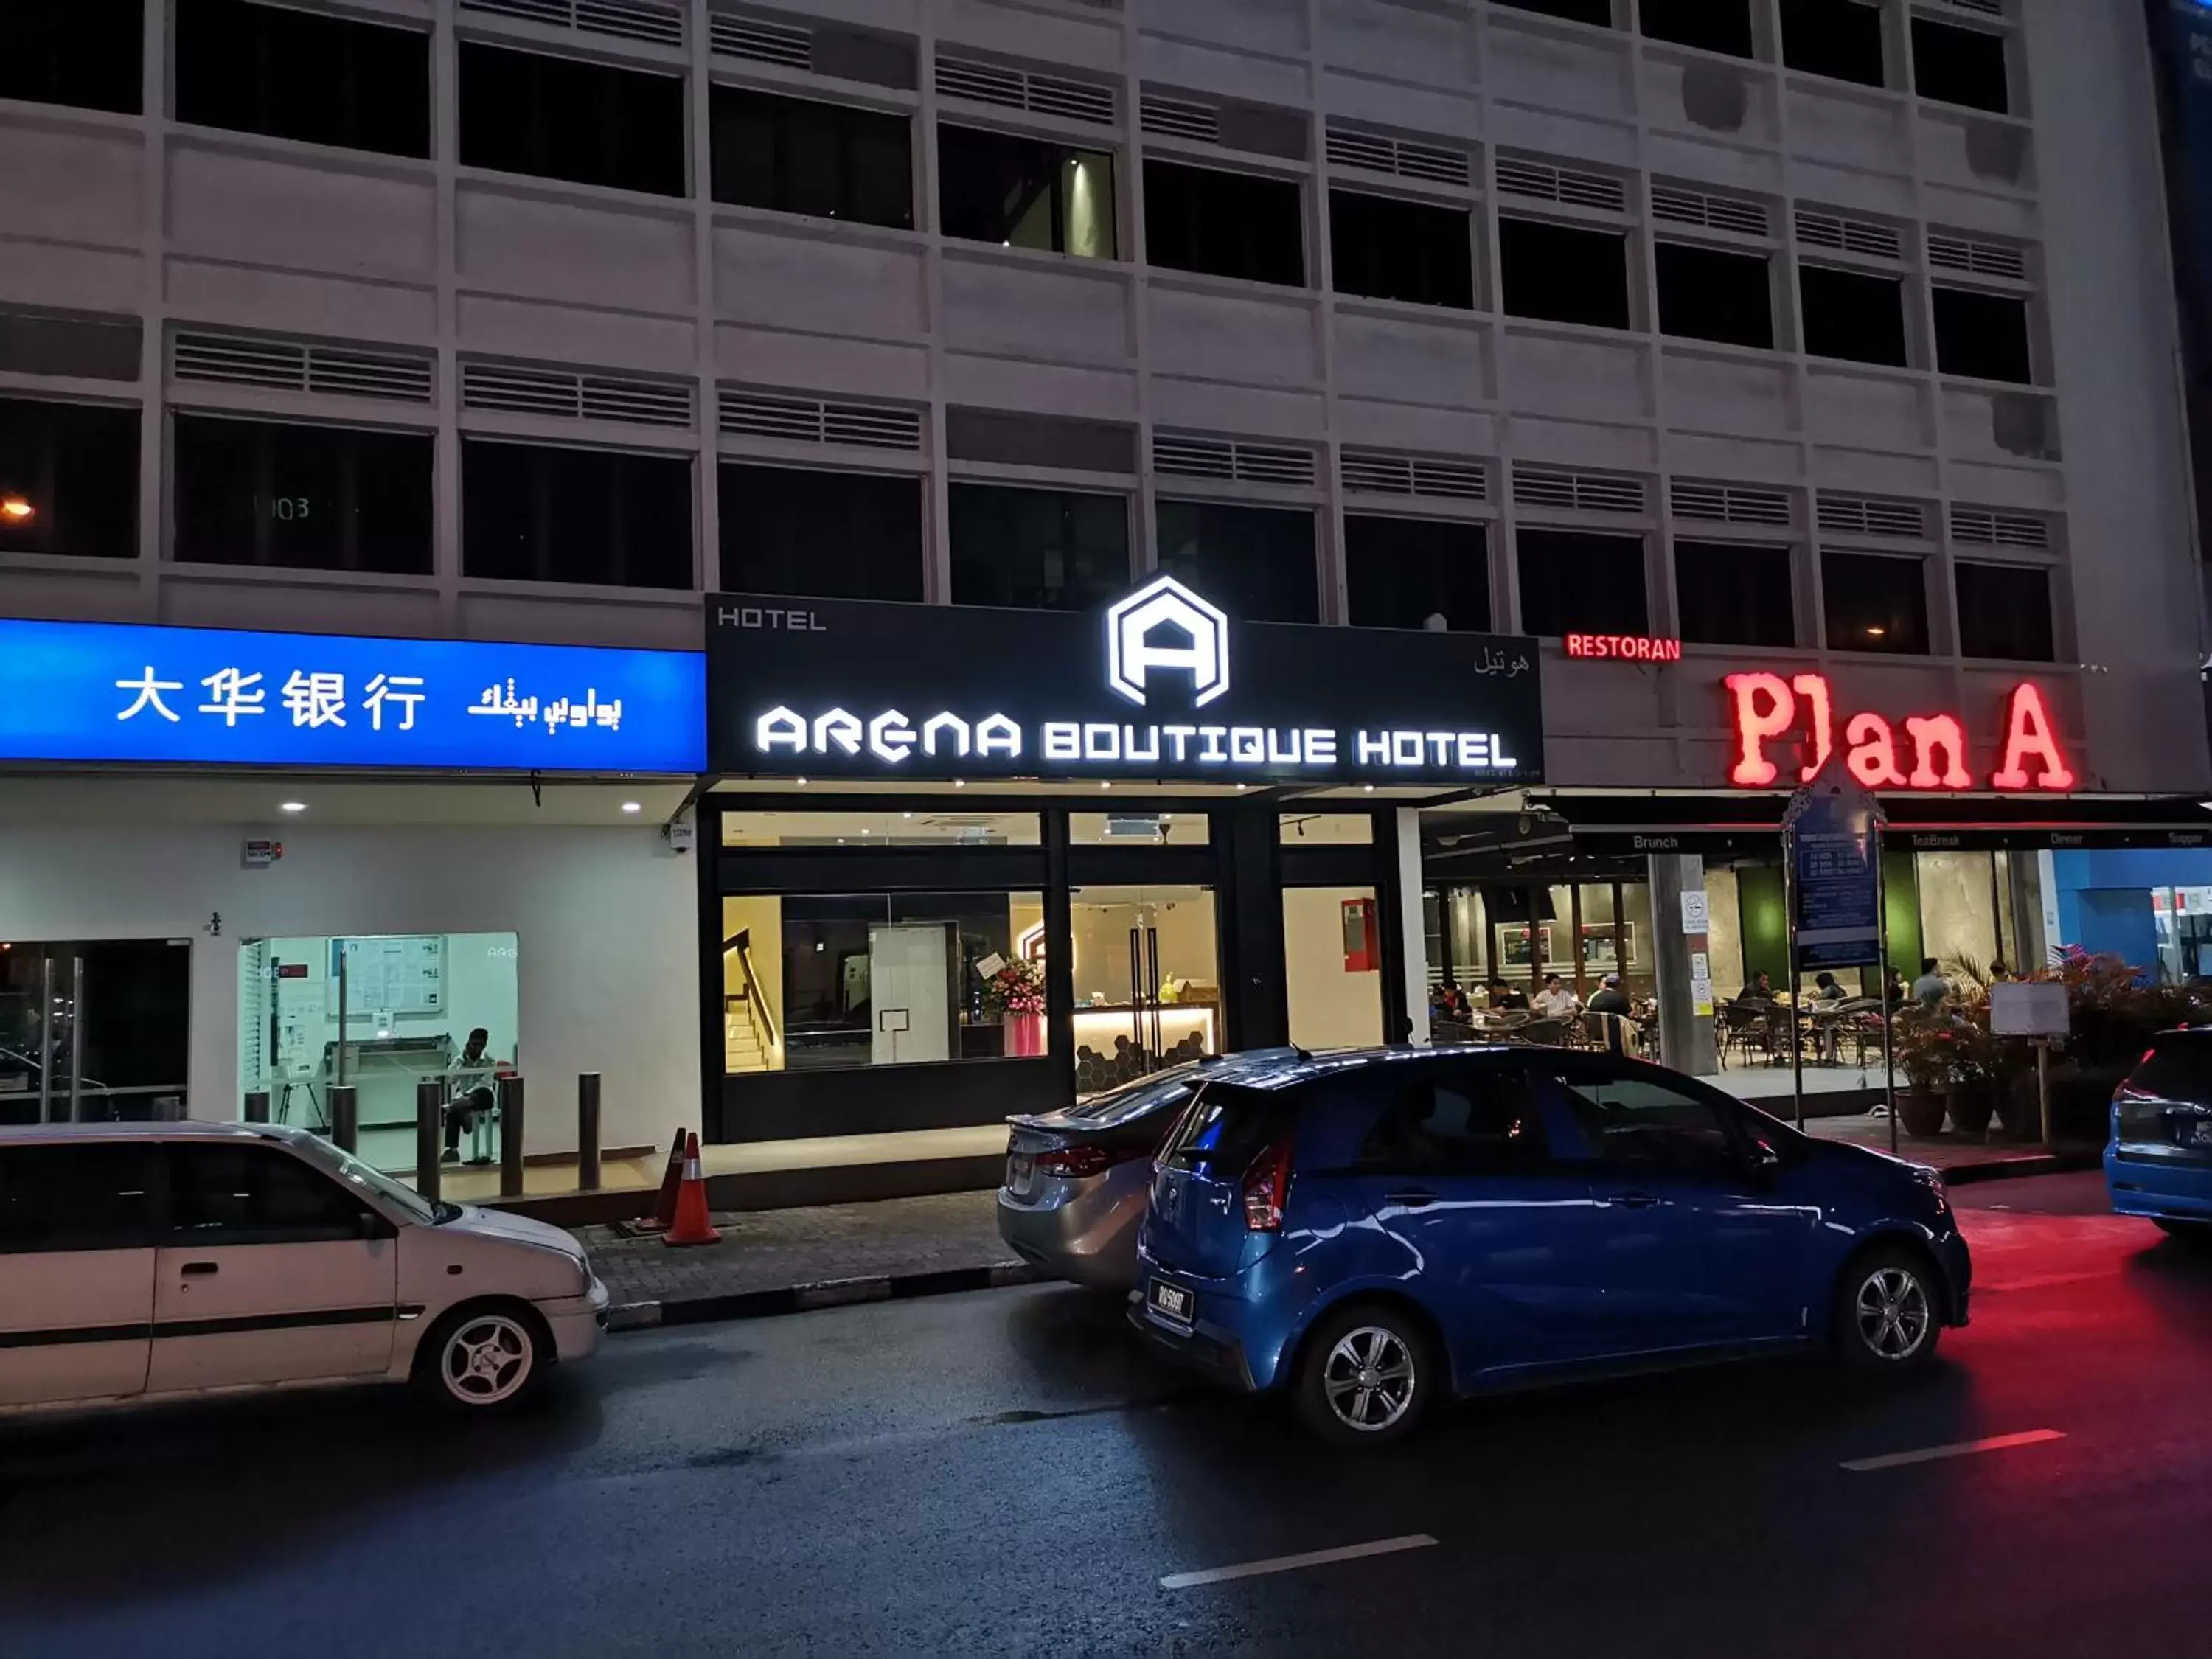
(93, 1030)
(1146, 968)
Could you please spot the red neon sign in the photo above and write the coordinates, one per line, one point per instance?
(1625, 647)
(1763, 708)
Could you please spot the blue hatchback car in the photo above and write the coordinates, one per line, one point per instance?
(1377, 1230)
(2158, 1162)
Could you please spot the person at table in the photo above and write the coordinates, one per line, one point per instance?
(1827, 988)
(1609, 999)
(1505, 998)
(1930, 989)
(1555, 1000)
(1757, 988)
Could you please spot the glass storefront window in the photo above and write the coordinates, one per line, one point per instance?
(820, 981)
(1320, 829)
(1147, 975)
(919, 828)
(1139, 829)
(1332, 948)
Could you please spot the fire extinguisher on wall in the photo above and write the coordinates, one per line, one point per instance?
(1362, 950)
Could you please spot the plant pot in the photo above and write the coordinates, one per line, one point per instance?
(1971, 1110)
(1920, 1113)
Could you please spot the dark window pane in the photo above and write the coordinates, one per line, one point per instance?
(1732, 594)
(560, 118)
(1560, 274)
(301, 497)
(75, 466)
(2004, 610)
(302, 75)
(1255, 563)
(1634, 1123)
(87, 348)
(1042, 550)
(1581, 581)
(1478, 1122)
(1599, 12)
(1982, 334)
(1025, 192)
(1839, 39)
(826, 535)
(1714, 24)
(86, 53)
(1226, 224)
(1960, 66)
(1400, 572)
(1854, 316)
(1388, 248)
(1874, 603)
(540, 513)
(91, 1197)
(242, 1194)
(1709, 294)
(801, 156)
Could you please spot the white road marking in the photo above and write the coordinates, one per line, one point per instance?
(1418, 1541)
(1961, 1449)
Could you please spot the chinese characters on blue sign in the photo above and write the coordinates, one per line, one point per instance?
(99, 691)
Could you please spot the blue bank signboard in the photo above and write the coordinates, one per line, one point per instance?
(103, 691)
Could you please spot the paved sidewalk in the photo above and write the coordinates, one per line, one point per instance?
(1961, 1157)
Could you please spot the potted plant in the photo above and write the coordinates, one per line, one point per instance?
(1926, 1049)
(1016, 994)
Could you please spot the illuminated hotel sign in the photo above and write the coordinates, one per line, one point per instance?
(1624, 647)
(1922, 751)
(1161, 684)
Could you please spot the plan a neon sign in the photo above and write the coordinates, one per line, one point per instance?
(1930, 753)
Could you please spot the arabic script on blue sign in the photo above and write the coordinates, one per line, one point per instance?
(102, 691)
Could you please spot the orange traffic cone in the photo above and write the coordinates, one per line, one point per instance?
(691, 1225)
(672, 1179)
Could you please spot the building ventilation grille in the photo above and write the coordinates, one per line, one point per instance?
(1865, 515)
(1177, 118)
(813, 420)
(563, 395)
(1014, 89)
(760, 43)
(1216, 457)
(1546, 183)
(1696, 207)
(1576, 492)
(1372, 472)
(333, 371)
(624, 19)
(1985, 528)
(1432, 163)
(1863, 236)
(1730, 504)
(1976, 258)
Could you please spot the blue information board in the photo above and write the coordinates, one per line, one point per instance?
(104, 691)
(1832, 842)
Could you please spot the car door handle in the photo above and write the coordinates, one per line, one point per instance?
(198, 1269)
(1635, 1200)
(1409, 1200)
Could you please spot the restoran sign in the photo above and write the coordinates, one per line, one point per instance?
(1163, 684)
(1930, 752)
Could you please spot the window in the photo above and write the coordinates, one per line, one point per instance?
(1560, 274)
(1256, 562)
(301, 497)
(247, 1195)
(560, 118)
(2004, 610)
(1599, 12)
(75, 466)
(1853, 315)
(1578, 581)
(921, 827)
(1401, 572)
(539, 512)
(1982, 334)
(1960, 66)
(88, 1197)
(1025, 193)
(1388, 248)
(801, 156)
(1633, 1123)
(1874, 603)
(1732, 594)
(303, 74)
(1139, 829)
(1839, 39)
(1326, 829)
(1475, 1122)
(1710, 294)
(1224, 224)
(85, 53)
(1228, 1126)
(1041, 549)
(1723, 26)
(830, 535)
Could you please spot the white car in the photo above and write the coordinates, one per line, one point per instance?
(145, 1261)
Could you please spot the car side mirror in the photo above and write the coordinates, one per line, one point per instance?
(1761, 1162)
(371, 1225)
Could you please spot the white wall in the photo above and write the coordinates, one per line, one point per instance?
(606, 923)
(1330, 1007)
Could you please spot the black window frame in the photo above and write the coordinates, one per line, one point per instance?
(248, 79)
(1420, 1098)
(1693, 319)
(1373, 593)
(1693, 621)
(1226, 583)
(1969, 342)
(627, 466)
(1798, 47)
(1559, 583)
(114, 499)
(963, 493)
(121, 1233)
(1939, 54)
(2041, 643)
(850, 487)
(1856, 567)
(1592, 14)
(520, 139)
(1820, 332)
(1061, 152)
(87, 54)
(1431, 269)
(1201, 217)
(792, 119)
(1689, 23)
(188, 468)
(353, 1219)
(1536, 297)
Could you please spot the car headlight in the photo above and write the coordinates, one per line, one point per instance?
(1933, 1180)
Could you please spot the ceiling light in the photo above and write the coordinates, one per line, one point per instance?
(801, 782)
(1104, 784)
(292, 806)
(906, 815)
(959, 783)
(16, 510)
(1370, 788)
(1877, 632)
(632, 806)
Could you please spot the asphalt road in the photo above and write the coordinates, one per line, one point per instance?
(1000, 1473)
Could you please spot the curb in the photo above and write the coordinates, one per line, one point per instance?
(824, 1293)
(2029, 1163)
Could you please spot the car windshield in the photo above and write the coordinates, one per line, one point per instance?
(2178, 1069)
(417, 1209)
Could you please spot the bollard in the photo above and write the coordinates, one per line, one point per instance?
(345, 1117)
(429, 1144)
(510, 1137)
(588, 1132)
(257, 1106)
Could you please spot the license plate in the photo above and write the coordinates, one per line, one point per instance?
(1171, 1300)
(1021, 1174)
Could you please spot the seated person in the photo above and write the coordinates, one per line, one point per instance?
(1504, 997)
(468, 1091)
(1555, 1001)
(1758, 988)
(1610, 999)
(1827, 988)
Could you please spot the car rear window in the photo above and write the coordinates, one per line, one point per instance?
(2178, 1067)
(1225, 1127)
(1162, 1091)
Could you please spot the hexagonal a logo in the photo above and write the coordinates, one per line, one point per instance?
(1135, 648)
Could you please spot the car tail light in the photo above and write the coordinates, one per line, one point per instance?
(1075, 1163)
(1268, 1188)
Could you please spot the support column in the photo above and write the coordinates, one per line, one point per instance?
(1405, 871)
(1686, 1036)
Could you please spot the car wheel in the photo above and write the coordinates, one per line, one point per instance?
(1888, 1312)
(2189, 1232)
(483, 1359)
(1367, 1377)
